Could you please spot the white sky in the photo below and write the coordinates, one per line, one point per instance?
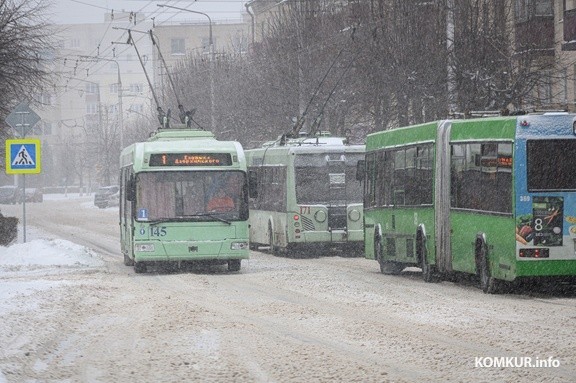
(92, 11)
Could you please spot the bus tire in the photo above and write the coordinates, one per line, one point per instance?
(128, 261)
(488, 283)
(234, 264)
(386, 267)
(428, 272)
(273, 249)
(139, 267)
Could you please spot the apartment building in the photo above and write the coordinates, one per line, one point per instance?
(102, 87)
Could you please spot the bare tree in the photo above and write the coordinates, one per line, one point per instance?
(371, 63)
(26, 49)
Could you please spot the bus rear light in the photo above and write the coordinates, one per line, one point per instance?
(296, 217)
(297, 231)
(534, 253)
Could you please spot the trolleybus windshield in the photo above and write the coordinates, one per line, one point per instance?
(319, 175)
(191, 196)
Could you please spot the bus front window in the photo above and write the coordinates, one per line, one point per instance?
(187, 195)
(327, 178)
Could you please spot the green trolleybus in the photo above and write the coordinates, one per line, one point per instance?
(166, 213)
(306, 195)
(493, 197)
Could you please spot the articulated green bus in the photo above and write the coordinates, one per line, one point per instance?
(170, 186)
(494, 197)
(306, 195)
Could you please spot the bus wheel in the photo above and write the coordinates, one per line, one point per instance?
(234, 264)
(273, 249)
(139, 267)
(488, 283)
(427, 269)
(386, 267)
(128, 261)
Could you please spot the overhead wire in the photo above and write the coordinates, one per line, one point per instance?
(83, 69)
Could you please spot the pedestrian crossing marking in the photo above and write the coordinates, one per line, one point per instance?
(23, 158)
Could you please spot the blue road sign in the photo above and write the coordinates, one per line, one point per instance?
(23, 156)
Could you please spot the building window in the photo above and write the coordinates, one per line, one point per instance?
(528, 9)
(178, 47)
(206, 44)
(113, 88)
(91, 108)
(113, 109)
(137, 108)
(91, 88)
(135, 88)
(45, 99)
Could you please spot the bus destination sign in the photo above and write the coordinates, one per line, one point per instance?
(190, 159)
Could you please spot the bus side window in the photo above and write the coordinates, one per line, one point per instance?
(252, 184)
(131, 189)
(360, 170)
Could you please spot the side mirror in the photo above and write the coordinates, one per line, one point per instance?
(360, 170)
(252, 184)
(131, 189)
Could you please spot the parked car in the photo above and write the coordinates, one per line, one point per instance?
(10, 194)
(34, 195)
(107, 196)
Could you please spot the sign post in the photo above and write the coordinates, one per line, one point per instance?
(23, 156)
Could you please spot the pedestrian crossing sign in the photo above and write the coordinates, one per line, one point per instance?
(23, 156)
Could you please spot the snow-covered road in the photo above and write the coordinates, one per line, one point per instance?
(328, 319)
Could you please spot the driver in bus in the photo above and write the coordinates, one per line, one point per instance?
(220, 202)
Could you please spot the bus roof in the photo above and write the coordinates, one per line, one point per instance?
(180, 141)
(501, 127)
(181, 134)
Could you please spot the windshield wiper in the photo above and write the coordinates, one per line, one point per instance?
(211, 215)
(184, 217)
(156, 221)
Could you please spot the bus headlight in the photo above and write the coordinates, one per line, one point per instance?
(144, 247)
(354, 215)
(238, 245)
(320, 216)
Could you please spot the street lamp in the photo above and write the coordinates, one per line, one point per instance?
(212, 54)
